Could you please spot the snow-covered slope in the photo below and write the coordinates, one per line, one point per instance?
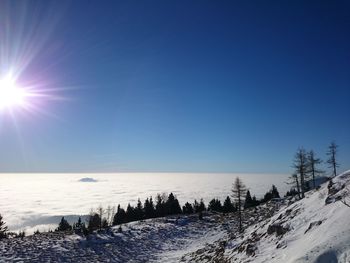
(314, 229)
(154, 240)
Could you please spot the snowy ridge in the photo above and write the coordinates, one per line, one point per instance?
(314, 231)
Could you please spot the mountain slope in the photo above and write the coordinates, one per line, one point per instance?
(315, 229)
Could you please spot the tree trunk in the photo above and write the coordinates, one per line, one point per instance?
(239, 212)
(302, 182)
(298, 186)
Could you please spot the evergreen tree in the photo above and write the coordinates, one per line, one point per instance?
(267, 196)
(172, 205)
(79, 227)
(105, 223)
(94, 222)
(274, 192)
(3, 228)
(198, 207)
(64, 225)
(120, 216)
(313, 162)
(228, 206)
(130, 214)
(332, 161)
(248, 200)
(238, 191)
(139, 210)
(149, 208)
(187, 209)
(215, 205)
(291, 192)
(255, 201)
(160, 206)
(202, 207)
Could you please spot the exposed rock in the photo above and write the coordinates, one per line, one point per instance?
(331, 199)
(281, 245)
(288, 211)
(250, 250)
(312, 225)
(277, 228)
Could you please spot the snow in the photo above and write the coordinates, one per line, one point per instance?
(328, 241)
(308, 230)
(154, 240)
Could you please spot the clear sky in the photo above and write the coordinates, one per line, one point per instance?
(177, 86)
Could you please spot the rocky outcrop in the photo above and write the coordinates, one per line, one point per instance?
(277, 228)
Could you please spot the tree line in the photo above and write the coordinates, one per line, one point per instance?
(306, 169)
(306, 165)
(164, 205)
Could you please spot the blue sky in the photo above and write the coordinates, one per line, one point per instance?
(178, 86)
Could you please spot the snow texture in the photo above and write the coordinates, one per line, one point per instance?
(308, 230)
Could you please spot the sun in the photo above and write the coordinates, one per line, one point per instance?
(12, 95)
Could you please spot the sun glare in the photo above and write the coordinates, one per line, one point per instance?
(11, 95)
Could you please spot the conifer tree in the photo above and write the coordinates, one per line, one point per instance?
(172, 205)
(79, 227)
(294, 181)
(274, 192)
(215, 205)
(228, 206)
(187, 209)
(313, 162)
(160, 205)
(105, 223)
(248, 200)
(3, 228)
(202, 207)
(199, 207)
(64, 225)
(196, 206)
(94, 222)
(149, 208)
(120, 216)
(238, 191)
(130, 213)
(332, 161)
(139, 210)
(255, 201)
(300, 165)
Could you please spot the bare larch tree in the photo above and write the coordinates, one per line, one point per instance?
(294, 181)
(332, 161)
(300, 165)
(313, 162)
(238, 192)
